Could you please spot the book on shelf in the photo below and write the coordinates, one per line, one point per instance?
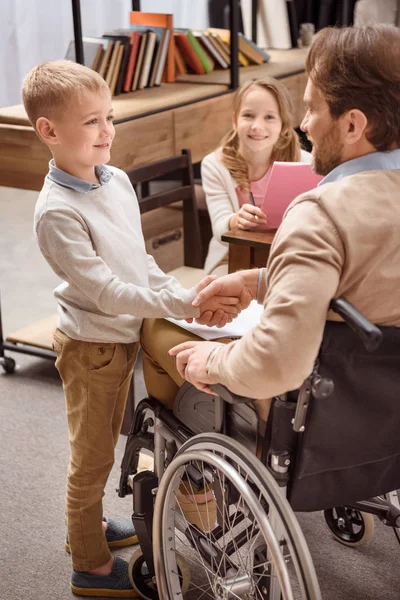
(147, 59)
(160, 51)
(180, 65)
(225, 36)
(122, 59)
(145, 51)
(220, 46)
(189, 54)
(256, 48)
(204, 39)
(159, 20)
(248, 51)
(139, 62)
(207, 64)
(160, 58)
(115, 78)
(93, 49)
(130, 68)
(113, 60)
(133, 58)
(105, 61)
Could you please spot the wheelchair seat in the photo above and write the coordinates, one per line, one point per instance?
(203, 413)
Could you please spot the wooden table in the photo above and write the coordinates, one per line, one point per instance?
(248, 249)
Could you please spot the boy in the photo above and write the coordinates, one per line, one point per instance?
(87, 224)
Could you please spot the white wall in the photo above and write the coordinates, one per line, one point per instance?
(33, 31)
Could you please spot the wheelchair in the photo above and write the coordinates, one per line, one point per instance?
(215, 518)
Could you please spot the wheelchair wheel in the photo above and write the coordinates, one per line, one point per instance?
(244, 540)
(349, 526)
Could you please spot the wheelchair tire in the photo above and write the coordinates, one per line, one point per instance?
(143, 585)
(263, 552)
(349, 526)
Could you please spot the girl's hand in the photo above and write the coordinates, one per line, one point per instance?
(248, 217)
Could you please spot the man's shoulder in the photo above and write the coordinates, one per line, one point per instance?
(344, 200)
(364, 182)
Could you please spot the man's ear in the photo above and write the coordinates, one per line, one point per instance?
(355, 126)
(46, 131)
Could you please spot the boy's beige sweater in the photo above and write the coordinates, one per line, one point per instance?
(94, 243)
(341, 239)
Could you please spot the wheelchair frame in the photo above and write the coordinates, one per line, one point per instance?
(172, 438)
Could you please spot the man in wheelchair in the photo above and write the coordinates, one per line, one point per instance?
(218, 511)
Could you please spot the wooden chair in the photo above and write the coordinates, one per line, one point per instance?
(184, 192)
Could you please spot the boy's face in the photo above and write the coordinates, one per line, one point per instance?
(84, 134)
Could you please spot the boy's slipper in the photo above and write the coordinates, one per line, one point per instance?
(119, 534)
(115, 585)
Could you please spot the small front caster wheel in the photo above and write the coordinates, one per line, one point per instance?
(349, 526)
(8, 364)
(144, 584)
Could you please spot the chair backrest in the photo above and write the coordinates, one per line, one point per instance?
(184, 191)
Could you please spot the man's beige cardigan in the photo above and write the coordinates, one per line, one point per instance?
(341, 239)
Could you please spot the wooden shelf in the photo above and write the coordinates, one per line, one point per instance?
(282, 64)
(135, 104)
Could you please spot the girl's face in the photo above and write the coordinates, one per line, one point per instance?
(259, 122)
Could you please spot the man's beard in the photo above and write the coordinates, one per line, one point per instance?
(327, 155)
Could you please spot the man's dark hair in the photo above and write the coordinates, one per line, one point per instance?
(359, 68)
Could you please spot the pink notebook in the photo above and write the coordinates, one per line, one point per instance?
(288, 180)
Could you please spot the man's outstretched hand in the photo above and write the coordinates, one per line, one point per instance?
(216, 310)
(226, 287)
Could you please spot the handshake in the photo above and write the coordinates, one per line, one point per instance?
(221, 299)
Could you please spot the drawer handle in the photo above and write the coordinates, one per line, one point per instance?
(172, 237)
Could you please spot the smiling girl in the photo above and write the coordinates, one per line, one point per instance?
(261, 133)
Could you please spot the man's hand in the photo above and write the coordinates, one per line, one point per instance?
(236, 285)
(216, 310)
(191, 360)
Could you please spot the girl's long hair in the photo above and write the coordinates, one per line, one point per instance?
(287, 147)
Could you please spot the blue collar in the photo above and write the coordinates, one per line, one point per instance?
(66, 180)
(376, 161)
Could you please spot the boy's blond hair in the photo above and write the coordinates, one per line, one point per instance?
(48, 88)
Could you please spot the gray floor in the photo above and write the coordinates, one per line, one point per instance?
(34, 454)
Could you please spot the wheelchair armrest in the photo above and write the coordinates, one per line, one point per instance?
(227, 395)
(369, 333)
